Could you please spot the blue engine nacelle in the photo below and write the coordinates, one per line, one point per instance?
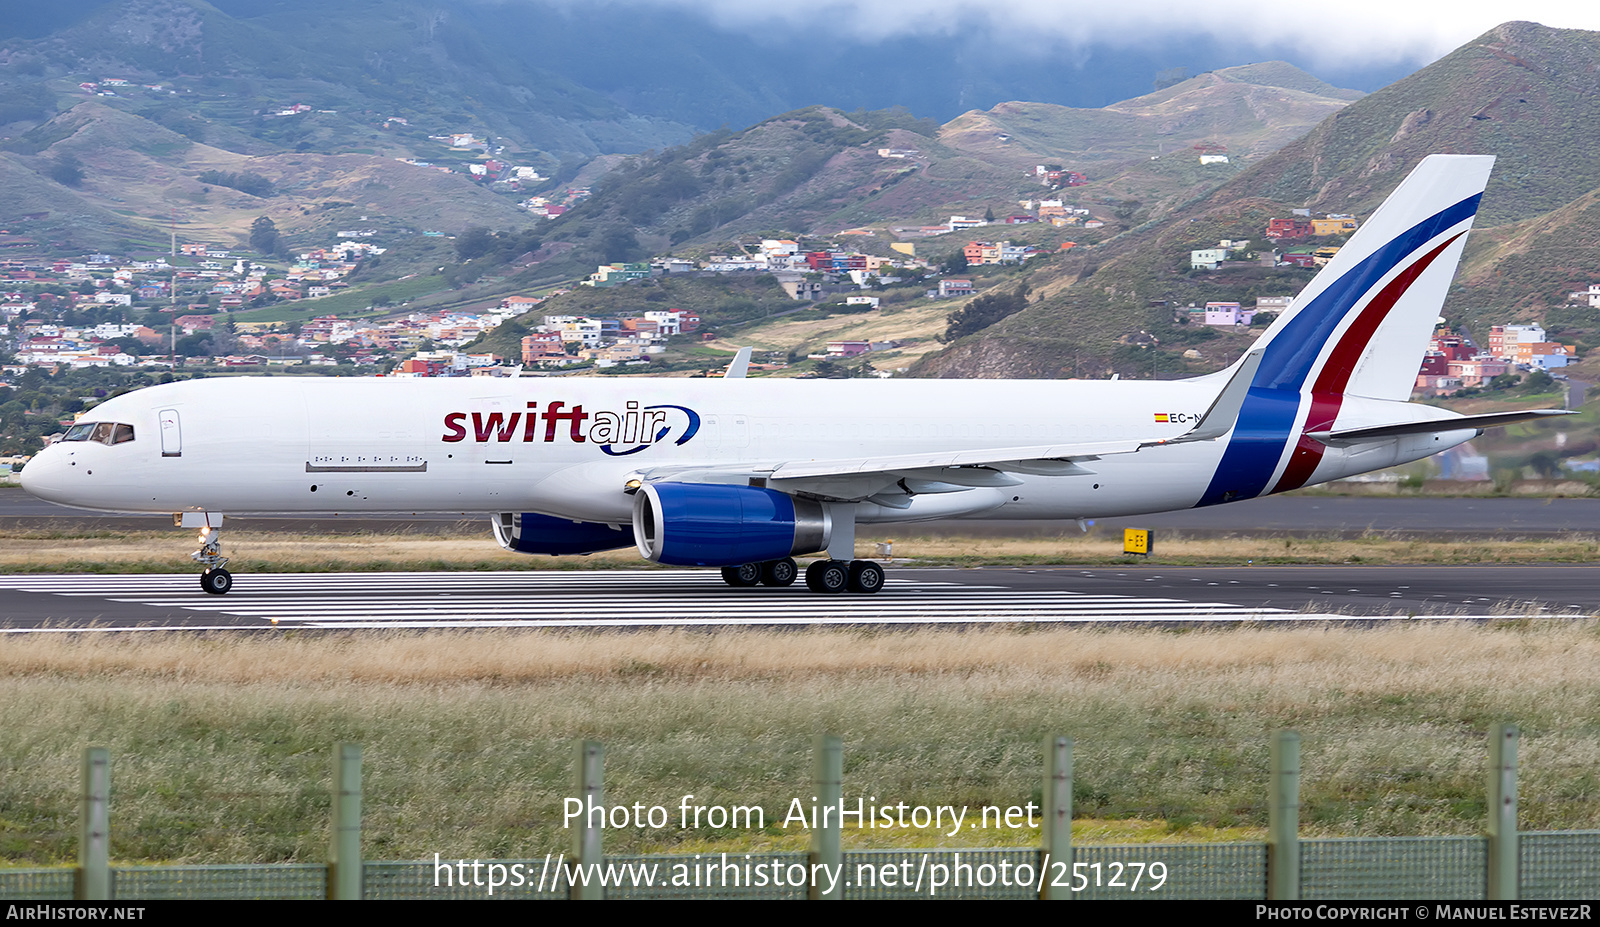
(528, 533)
(706, 524)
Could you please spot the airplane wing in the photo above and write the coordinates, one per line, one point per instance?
(1346, 437)
(944, 471)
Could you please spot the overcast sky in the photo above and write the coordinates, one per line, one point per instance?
(1337, 34)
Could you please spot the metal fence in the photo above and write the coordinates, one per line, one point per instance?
(1556, 866)
(1501, 864)
(1394, 869)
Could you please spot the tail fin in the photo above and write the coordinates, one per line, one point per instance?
(1360, 328)
(1362, 325)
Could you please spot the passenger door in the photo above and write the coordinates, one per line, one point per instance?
(171, 434)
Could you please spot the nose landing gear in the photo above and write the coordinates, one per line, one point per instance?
(215, 580)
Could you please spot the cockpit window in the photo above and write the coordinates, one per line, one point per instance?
(103, 432)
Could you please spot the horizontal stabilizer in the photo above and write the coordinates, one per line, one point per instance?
(1224, 411)
(1382, 432)
(739, 367)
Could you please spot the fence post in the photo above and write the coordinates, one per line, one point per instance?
(1283, 819)
(1057, 836)
(1503, 854)
(587, 853)
(344, 845)
(93, 878)
(826, 839)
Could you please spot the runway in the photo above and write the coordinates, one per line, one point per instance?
(617, 599)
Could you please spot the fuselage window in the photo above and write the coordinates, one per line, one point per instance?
(78, 432)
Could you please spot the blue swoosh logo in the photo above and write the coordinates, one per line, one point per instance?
(691, 431)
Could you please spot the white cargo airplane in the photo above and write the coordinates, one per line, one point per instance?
(745, 474)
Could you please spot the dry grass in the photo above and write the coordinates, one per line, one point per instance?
(259, 552)
(221, 744)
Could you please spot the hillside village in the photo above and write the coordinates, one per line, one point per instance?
(183, 309)
(97, 310)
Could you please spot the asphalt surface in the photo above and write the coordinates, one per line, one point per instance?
(1155, 595)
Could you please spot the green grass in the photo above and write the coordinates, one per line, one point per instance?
(355, 303)
(467, 547)
(220, 745)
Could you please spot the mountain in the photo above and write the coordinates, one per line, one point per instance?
(321, 101)
(567, 78)
(356, 64)
(1251, 110)
(139, 179)
(1523, 92)
(820, 170)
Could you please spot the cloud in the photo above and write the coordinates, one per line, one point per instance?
(1348, 33)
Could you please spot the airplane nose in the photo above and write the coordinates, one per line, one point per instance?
(43, 476)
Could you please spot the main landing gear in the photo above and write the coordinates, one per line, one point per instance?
(215, 579)
(771, 573)
(829, 577)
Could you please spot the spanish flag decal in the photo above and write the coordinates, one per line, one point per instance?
(1161, 417)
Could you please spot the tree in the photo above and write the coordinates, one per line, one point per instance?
(619, 244)
(1538, 382)
(67, 170)
(264, 236)
(1546, 464)
(252, 184)
(988, 214)
(833, 370)
(474, 243)
(956, 263)
(984, 311)
(195, 345)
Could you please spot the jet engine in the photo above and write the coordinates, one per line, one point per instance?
(528, 533)
(706, 524)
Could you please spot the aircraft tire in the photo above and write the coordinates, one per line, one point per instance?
(744, 574)
(866, 577)
(829, 577)
(216, 582)
(779, 572)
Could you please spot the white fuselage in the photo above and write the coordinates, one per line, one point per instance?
(283, 445)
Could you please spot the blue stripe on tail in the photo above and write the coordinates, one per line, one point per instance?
(1266, 422)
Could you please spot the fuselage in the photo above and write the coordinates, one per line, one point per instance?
(568, 447)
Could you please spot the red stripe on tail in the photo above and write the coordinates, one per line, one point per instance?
(1327, 394)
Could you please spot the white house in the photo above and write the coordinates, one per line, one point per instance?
(1225, 314)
